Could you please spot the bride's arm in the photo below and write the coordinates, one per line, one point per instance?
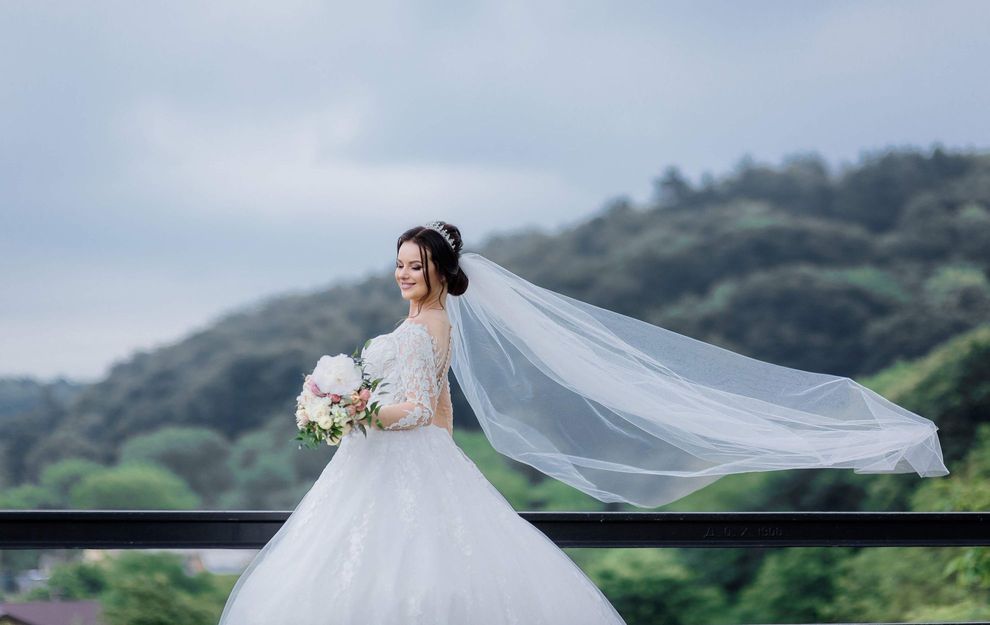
(404, 416)
(416, 382)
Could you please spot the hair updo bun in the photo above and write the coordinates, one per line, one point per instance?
(457, 280)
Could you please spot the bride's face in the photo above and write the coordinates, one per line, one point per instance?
(411, 275)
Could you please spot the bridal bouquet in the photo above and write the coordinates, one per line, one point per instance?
(334, 400)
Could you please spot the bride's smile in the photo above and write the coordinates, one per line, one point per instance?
(424, 290)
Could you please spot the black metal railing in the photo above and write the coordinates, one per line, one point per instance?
(250, 529)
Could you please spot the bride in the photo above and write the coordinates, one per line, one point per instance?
(401, 527)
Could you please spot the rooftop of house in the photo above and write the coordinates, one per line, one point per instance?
(51, 613)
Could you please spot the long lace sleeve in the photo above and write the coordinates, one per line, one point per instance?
(417, 378)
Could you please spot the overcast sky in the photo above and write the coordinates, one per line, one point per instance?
(162, 163)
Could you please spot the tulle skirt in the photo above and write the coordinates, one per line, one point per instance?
(402, 528)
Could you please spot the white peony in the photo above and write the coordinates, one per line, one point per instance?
(325, 421)
(337, 374)
(319, 411)
(311, 404)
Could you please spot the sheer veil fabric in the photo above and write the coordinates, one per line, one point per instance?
(626, 411)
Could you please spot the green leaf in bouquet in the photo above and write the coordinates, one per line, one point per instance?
(306, 439)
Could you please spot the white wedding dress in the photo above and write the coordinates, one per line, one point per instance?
(402, 528)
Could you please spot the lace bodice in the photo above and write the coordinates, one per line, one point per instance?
(415, 364)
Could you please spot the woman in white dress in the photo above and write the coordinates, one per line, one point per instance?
(402, 528)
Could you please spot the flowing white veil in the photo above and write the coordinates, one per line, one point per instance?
(627, 411)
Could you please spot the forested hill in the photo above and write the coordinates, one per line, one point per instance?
(841, 272)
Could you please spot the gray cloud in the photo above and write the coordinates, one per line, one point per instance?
(160, 164)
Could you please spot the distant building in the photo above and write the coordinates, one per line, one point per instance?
(51, 613)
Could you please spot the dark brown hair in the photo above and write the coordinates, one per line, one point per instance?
(444, 258)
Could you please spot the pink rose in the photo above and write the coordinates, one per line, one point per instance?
(313, 388)
(365, 394)
(334, 397)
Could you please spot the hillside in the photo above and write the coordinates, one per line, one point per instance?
(840, 272)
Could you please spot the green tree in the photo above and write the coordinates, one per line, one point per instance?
(73, 580)
(262, 463)
(149, 601)
(133, 486)
(649, 586)
(967, 489)
(876, 193)
(154, 589)
(794, 585)
(62, 476)
(950, 385)
(141, 588)
(28, 497)
(798, 316)
(885, 584)
(196, 454)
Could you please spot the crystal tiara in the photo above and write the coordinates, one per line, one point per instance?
(438, 226)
